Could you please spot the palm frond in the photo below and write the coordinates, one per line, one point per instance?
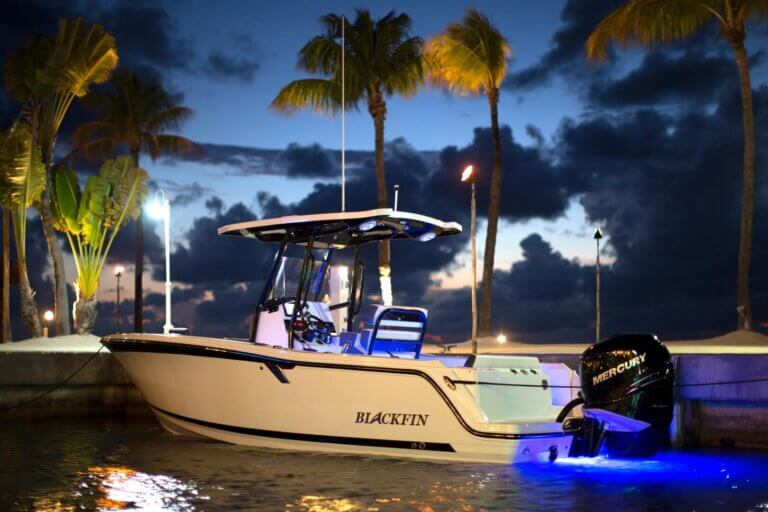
(648, 23)
(87, 133)
(468, 57)
(22, 66)
(81, 56)
(166, 145)
(168, 119)
(318, 94)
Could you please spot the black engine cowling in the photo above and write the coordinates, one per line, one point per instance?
(632, 376)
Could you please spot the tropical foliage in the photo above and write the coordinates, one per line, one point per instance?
(91, 218)
(471, 57)
(22, 181)
(141, 116)
(46, 76)
(651, 22)
(381, 59)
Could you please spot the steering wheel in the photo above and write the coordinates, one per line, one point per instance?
(315, 328)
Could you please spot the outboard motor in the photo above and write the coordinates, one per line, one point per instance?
(627, 385)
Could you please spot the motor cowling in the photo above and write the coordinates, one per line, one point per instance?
(627, 383)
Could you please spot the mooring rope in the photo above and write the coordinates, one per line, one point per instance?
(56, 386)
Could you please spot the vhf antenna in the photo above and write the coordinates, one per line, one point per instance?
(343, 118)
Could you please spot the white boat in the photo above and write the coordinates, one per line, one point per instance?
(320, 371)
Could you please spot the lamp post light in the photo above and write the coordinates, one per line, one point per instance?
(159, 209)
(119, 269)
(48, 317)
(597, 236)
(470, 176)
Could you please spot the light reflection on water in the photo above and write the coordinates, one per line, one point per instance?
(135, 465)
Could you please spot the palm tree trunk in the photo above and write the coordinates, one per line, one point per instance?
(60, 298)
(748, 188)
(28, 305)
(378, 109)
(494, 208)
(5, 330)
(138, 279)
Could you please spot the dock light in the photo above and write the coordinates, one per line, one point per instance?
(160, 209)
(367, 225)
(119, 270)
(501, 338)
(426, 237)
(470, 176)
(48, 317)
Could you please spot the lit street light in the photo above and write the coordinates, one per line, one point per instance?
(48, 317)
(597, 236)
(119, 269)
(160, 209)
(470, 176)
(501, 338)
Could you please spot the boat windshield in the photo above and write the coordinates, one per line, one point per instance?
(289, 275)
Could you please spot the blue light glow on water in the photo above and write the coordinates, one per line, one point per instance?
(135, 465)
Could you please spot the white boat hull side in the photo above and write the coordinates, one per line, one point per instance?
(260, 396)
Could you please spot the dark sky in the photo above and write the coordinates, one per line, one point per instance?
(646, 145)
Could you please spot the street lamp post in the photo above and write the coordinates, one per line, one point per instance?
(119, 269)
(597, 236)
(160, 208)
(470, 176)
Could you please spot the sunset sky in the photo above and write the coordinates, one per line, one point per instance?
(646, 145)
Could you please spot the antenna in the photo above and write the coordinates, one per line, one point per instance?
(343, 119)
(397, 192)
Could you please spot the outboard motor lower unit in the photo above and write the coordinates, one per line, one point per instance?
(627, 384)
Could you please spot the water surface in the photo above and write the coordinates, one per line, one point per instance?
(108, 464)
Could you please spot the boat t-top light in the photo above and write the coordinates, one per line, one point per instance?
(426, 237)
(367, 225)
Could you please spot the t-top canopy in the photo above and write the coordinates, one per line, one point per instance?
(342, 229)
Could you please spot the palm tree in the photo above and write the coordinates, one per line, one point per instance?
(22, 181)
(651, 22)
(471, 57)
(46, 76)
(138, 114)
(381, 60)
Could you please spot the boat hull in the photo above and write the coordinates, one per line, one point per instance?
(267, 397)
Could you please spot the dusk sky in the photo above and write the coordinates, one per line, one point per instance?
(647, 145)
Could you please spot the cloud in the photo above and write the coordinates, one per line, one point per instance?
(181, 194)
(222, 66)
(664, 78)
(146, 36)
(566, 55)
(296, 161)
(210, 258)
(307, 162)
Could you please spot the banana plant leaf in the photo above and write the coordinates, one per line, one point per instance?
(128, 189)
(66, 201)
(90, 214)
(22, 177)
(82, 55)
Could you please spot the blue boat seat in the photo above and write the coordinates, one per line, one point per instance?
(393, 329)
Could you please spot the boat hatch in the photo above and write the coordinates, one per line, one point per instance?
(342, 229)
